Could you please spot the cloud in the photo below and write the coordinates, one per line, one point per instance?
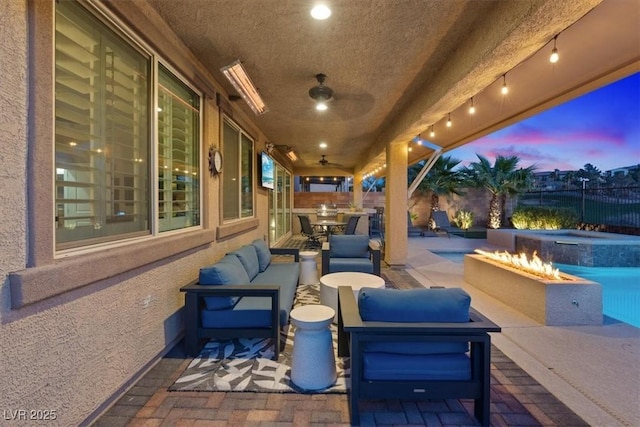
(601, 128)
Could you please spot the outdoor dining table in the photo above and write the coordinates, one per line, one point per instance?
(329, 226)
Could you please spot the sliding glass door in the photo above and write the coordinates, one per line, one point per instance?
(280, 206)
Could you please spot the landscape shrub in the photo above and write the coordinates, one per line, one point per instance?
(463, 219)
(544, 218)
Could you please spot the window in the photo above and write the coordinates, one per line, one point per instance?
(103, 130)
(178, 159)
(237, 197)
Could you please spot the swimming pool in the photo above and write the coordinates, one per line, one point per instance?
(620, 289)
(620, 286)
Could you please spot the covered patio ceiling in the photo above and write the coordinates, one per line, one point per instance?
(398, 68)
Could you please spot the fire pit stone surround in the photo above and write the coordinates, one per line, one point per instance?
(574, 301)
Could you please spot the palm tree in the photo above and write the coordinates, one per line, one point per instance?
(501, 179)
(441, 180)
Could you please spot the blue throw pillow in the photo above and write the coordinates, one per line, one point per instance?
(263, 252)
(249, 259)
(414, 305)
(349, 246)
(227, 271)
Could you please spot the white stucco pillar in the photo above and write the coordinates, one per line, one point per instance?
(395, 211)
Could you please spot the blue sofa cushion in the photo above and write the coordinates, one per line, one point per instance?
(450, 305)
(249, 312)
(228, 271)
(249, 259)
(245, 318)
(349, 246)
(361, 265)
(394, 367)
(414, 305)
(263, 252)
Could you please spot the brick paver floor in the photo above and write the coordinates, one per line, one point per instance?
(516, 400)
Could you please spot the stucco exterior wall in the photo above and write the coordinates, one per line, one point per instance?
(71, 353)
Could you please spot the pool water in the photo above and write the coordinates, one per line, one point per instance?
(620, 289)
(620, 286)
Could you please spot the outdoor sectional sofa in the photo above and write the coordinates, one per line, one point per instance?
(243, 295)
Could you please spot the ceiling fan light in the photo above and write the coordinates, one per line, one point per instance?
(321, 106)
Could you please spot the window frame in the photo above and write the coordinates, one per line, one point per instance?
(45, 273)
(130, 36)
(228, 120)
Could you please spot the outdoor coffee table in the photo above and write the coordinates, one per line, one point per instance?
(313, 364)
(329, 286)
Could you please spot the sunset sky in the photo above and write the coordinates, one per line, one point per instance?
(601, 128)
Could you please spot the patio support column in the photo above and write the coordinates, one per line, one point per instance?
(395, 211)
(357, 188)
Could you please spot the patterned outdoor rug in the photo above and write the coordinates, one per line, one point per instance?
(246, 365)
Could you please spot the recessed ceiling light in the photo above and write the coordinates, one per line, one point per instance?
(320, 12)
(323, 145)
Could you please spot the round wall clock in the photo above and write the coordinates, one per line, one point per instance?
(215, 161)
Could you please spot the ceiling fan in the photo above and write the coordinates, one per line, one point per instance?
(324, 162)
(321, 93)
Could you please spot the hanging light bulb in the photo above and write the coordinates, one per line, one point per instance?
(472, 109)
(505, 89)
(321, 106)
(449, 121)
(554, 52)
(432, 133)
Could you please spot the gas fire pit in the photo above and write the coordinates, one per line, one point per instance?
(555, 299)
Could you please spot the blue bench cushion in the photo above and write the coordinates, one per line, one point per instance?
(249, 259)
(249, 312)
(349, 246)
(394, 367)
(361, 265)
(284, 274)
(263, 252)
(450, 305)
(228, 271)
(414, 305)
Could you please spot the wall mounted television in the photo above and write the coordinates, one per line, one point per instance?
(267, 168)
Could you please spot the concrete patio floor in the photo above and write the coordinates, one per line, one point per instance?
(594, 370)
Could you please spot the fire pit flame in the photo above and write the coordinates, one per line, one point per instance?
(520, 261)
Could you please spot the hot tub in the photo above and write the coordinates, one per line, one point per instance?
(577, 247)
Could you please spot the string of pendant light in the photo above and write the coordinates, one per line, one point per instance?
(554, 57)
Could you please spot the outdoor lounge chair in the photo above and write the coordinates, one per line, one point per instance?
(442, 223)
(415, 344)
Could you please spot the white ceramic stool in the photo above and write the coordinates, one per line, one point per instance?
(308, 268)
(313, 365)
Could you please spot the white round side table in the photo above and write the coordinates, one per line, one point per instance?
(308, 268)
(313, 364)
(329, 286)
